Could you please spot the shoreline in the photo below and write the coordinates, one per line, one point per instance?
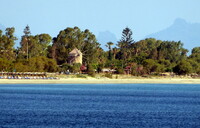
(102, 81)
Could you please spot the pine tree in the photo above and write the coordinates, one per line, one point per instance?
(27, 31)
(125, 44)
(126, 39)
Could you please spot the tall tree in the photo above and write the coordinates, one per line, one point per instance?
(71, 38)
(33, 46)
(196, 50)
(38, 45)
(27, 31)
(7, 42)
(172, 51)
(109, 45)
(43, 42)
(195, 54)
(126, 39)
(115, 50)
(125, 45)
(25, 43)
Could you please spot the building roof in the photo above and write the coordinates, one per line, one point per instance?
(75, 52)
(108, 70)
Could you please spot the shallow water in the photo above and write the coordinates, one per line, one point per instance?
(100, 106)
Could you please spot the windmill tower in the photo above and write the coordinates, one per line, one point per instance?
(75, 56)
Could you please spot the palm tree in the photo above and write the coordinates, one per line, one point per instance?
(109, 44)
(115, 50)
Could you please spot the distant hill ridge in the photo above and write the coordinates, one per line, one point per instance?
(180, 30)
(105, 37)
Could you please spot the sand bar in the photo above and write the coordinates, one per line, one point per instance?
(98, 81)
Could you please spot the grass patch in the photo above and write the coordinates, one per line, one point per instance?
(81, 76)
(108, 75)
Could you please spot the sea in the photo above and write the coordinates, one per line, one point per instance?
(100, 106)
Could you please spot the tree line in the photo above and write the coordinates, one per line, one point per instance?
(42, 53)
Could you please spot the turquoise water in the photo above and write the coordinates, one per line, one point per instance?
(100, 106)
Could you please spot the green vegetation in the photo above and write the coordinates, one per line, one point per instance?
(71, 38)
(90, 70)
(42, 53)
(108, 75)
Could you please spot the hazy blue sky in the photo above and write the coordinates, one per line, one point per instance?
(142, 16)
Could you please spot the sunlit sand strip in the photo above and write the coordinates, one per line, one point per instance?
(98, 81)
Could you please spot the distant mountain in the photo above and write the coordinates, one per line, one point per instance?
(181, 30)
(105, 37)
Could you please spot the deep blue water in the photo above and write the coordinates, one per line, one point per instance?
(100, 106)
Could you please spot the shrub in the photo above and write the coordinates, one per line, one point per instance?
(120, 71)
(99, 68)
(108, 75)
(6, 65)
(81, 76)
(76, 67)
(90, 70)
(183, 68)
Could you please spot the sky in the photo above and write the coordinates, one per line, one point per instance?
(142, 16)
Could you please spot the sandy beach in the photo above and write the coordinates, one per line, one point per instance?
(100, 81)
